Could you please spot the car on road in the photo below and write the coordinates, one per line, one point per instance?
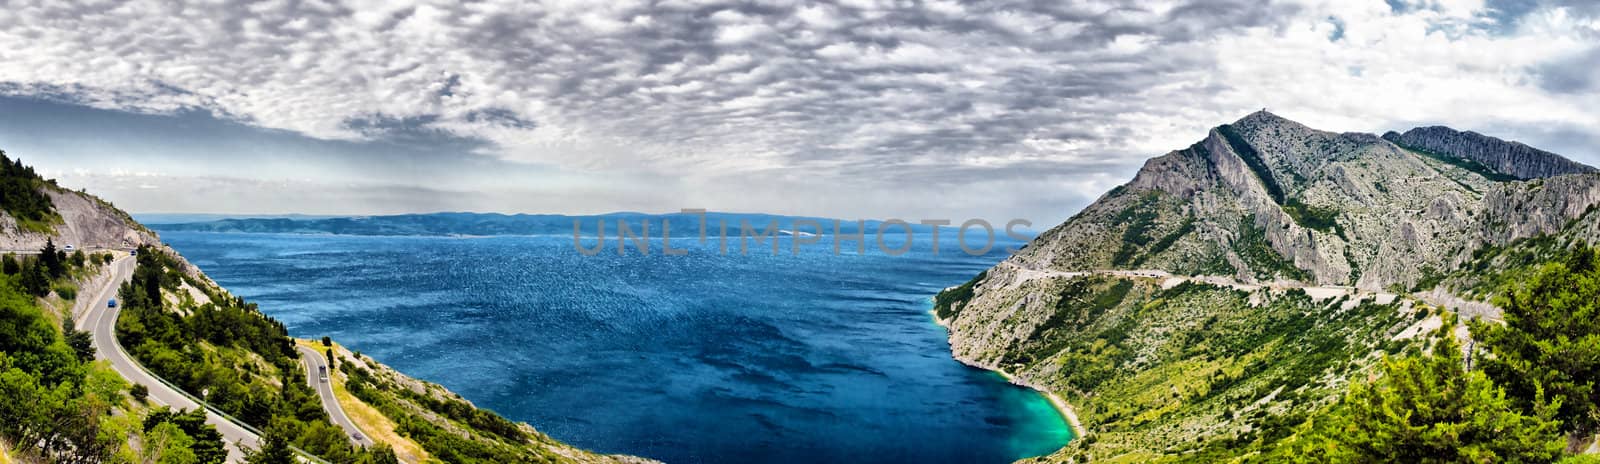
(69, 248)
(357, 436)
(111, 303)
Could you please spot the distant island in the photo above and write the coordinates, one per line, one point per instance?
(496, 224)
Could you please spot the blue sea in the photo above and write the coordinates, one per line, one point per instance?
(801, 357)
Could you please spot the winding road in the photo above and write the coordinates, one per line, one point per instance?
(92, 314)
(315, 363)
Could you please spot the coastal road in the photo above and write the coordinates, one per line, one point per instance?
(92, 314)
(315, 362)
(1169, 280)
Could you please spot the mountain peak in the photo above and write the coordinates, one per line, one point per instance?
(1262, 116)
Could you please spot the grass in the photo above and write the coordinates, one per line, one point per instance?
(373, 423)
(46, 226)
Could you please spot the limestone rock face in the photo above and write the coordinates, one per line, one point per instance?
(1511, 158)
(1266, 198)
(1543, 206)
(86, 223)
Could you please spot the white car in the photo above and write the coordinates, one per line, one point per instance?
(68, 248)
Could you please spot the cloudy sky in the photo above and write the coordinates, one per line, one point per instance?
(852, 108)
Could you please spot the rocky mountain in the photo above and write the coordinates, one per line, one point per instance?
(1266, 198)
(1234, 286)
(1507, 158)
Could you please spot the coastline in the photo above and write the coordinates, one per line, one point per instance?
(1061, 406)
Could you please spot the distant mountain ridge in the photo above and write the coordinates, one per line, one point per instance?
(493, 224)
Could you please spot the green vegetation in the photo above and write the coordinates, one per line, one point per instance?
(183, 437)
(948, 303)
(1141, 220)
(245, 361)
(1549, 345)
(1314, 217)
(1494, 268)
(1146, 366)
(22, 196)
(1431, 277)
(1204, 373)
(58, 406)
(1138, 219)
(1430, 409)
(1256, 252)
(441, 424)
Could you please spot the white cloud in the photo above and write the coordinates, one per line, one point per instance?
(730, 95)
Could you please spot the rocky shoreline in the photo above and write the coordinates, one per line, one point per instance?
(1061, 405)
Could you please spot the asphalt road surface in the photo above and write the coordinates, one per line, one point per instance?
(315, 361)
(92, 314)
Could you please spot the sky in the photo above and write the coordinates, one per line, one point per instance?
(851, 108)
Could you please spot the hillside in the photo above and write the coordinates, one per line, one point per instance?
(194, 335)
(1228, 294)
(1265, 198)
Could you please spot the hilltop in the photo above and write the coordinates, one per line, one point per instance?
(1232, 290)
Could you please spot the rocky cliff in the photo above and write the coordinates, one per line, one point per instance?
(85, 221)
(1291, 252)
(1509, 158)
(1266, 199)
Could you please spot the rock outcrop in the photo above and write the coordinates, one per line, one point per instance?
(1510, 158)
(86, 222)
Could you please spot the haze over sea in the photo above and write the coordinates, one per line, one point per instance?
(814, 357)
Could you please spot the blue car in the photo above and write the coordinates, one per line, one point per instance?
(111, 303)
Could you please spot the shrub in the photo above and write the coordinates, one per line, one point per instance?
(67, 292)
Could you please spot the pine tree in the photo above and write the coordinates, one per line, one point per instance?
(35, 279)
(1551, 339)
(274, 448)
(1431, 409)
(52, 259)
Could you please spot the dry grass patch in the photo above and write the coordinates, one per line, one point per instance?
(374, 424)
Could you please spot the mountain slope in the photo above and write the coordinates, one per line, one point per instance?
(1226, 356)
(1266, 198)
(181, 325)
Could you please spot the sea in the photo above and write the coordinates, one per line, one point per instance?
(801, 356)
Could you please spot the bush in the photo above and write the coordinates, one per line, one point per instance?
(67, 292)
(139, 392)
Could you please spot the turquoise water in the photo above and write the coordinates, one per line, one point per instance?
(812, 357)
